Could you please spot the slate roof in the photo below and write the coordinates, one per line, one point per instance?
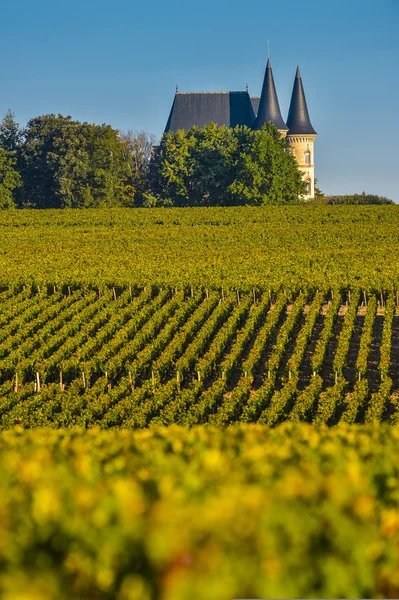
(269, 108)
(298, 121)
(255, 104)
(201, 108)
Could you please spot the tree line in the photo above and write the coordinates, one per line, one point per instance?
(362, 198)
(58, 162)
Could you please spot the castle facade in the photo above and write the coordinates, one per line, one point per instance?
(239, 108)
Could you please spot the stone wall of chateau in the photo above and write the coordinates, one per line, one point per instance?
(303, 146)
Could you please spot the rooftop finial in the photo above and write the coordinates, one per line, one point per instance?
(177, 88)
(246, 87)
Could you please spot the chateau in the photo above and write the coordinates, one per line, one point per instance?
(239, 108)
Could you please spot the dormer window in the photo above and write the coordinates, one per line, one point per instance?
(307, 157)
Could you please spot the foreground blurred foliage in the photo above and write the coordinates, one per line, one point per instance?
(172, 514)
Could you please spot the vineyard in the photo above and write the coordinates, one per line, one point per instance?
(199, 403)
(163, 356)
(231, 248)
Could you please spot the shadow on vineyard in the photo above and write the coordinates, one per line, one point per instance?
(395, 353)
(350, 367)
(373, 374)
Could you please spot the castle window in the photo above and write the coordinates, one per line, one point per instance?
(307, 157)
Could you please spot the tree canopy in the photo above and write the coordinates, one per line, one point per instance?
(216, 166)
(68, 164)
(10, 133)
(10, 179)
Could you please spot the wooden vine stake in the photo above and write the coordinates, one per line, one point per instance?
(336, 377)
(192, 293)
(84, 379)
(199, 375)
(69, 291)
(114, 293)
(62, 386)
(38, 387)
(178, 380)
(16, 383)
(207, 293)
(382, 300)
(109, 384)
(131, 380)
(222, 295)
(365, 297)
(254, 294)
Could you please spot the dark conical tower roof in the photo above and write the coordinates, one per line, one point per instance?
(298, 116)
(269, 109)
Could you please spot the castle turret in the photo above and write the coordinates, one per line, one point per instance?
(269, 109)
(301, 134)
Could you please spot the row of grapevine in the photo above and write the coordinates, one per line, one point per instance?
(143, 358)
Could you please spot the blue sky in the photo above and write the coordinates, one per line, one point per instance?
(119, 62)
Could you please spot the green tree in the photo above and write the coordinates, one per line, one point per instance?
(66, 163)
(266, 171)
(223, 166)
(319, 197)
(10, 179)
(362, 198)
(137, 150)
(10, 133)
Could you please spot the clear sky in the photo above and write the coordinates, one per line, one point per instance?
(119, 62)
